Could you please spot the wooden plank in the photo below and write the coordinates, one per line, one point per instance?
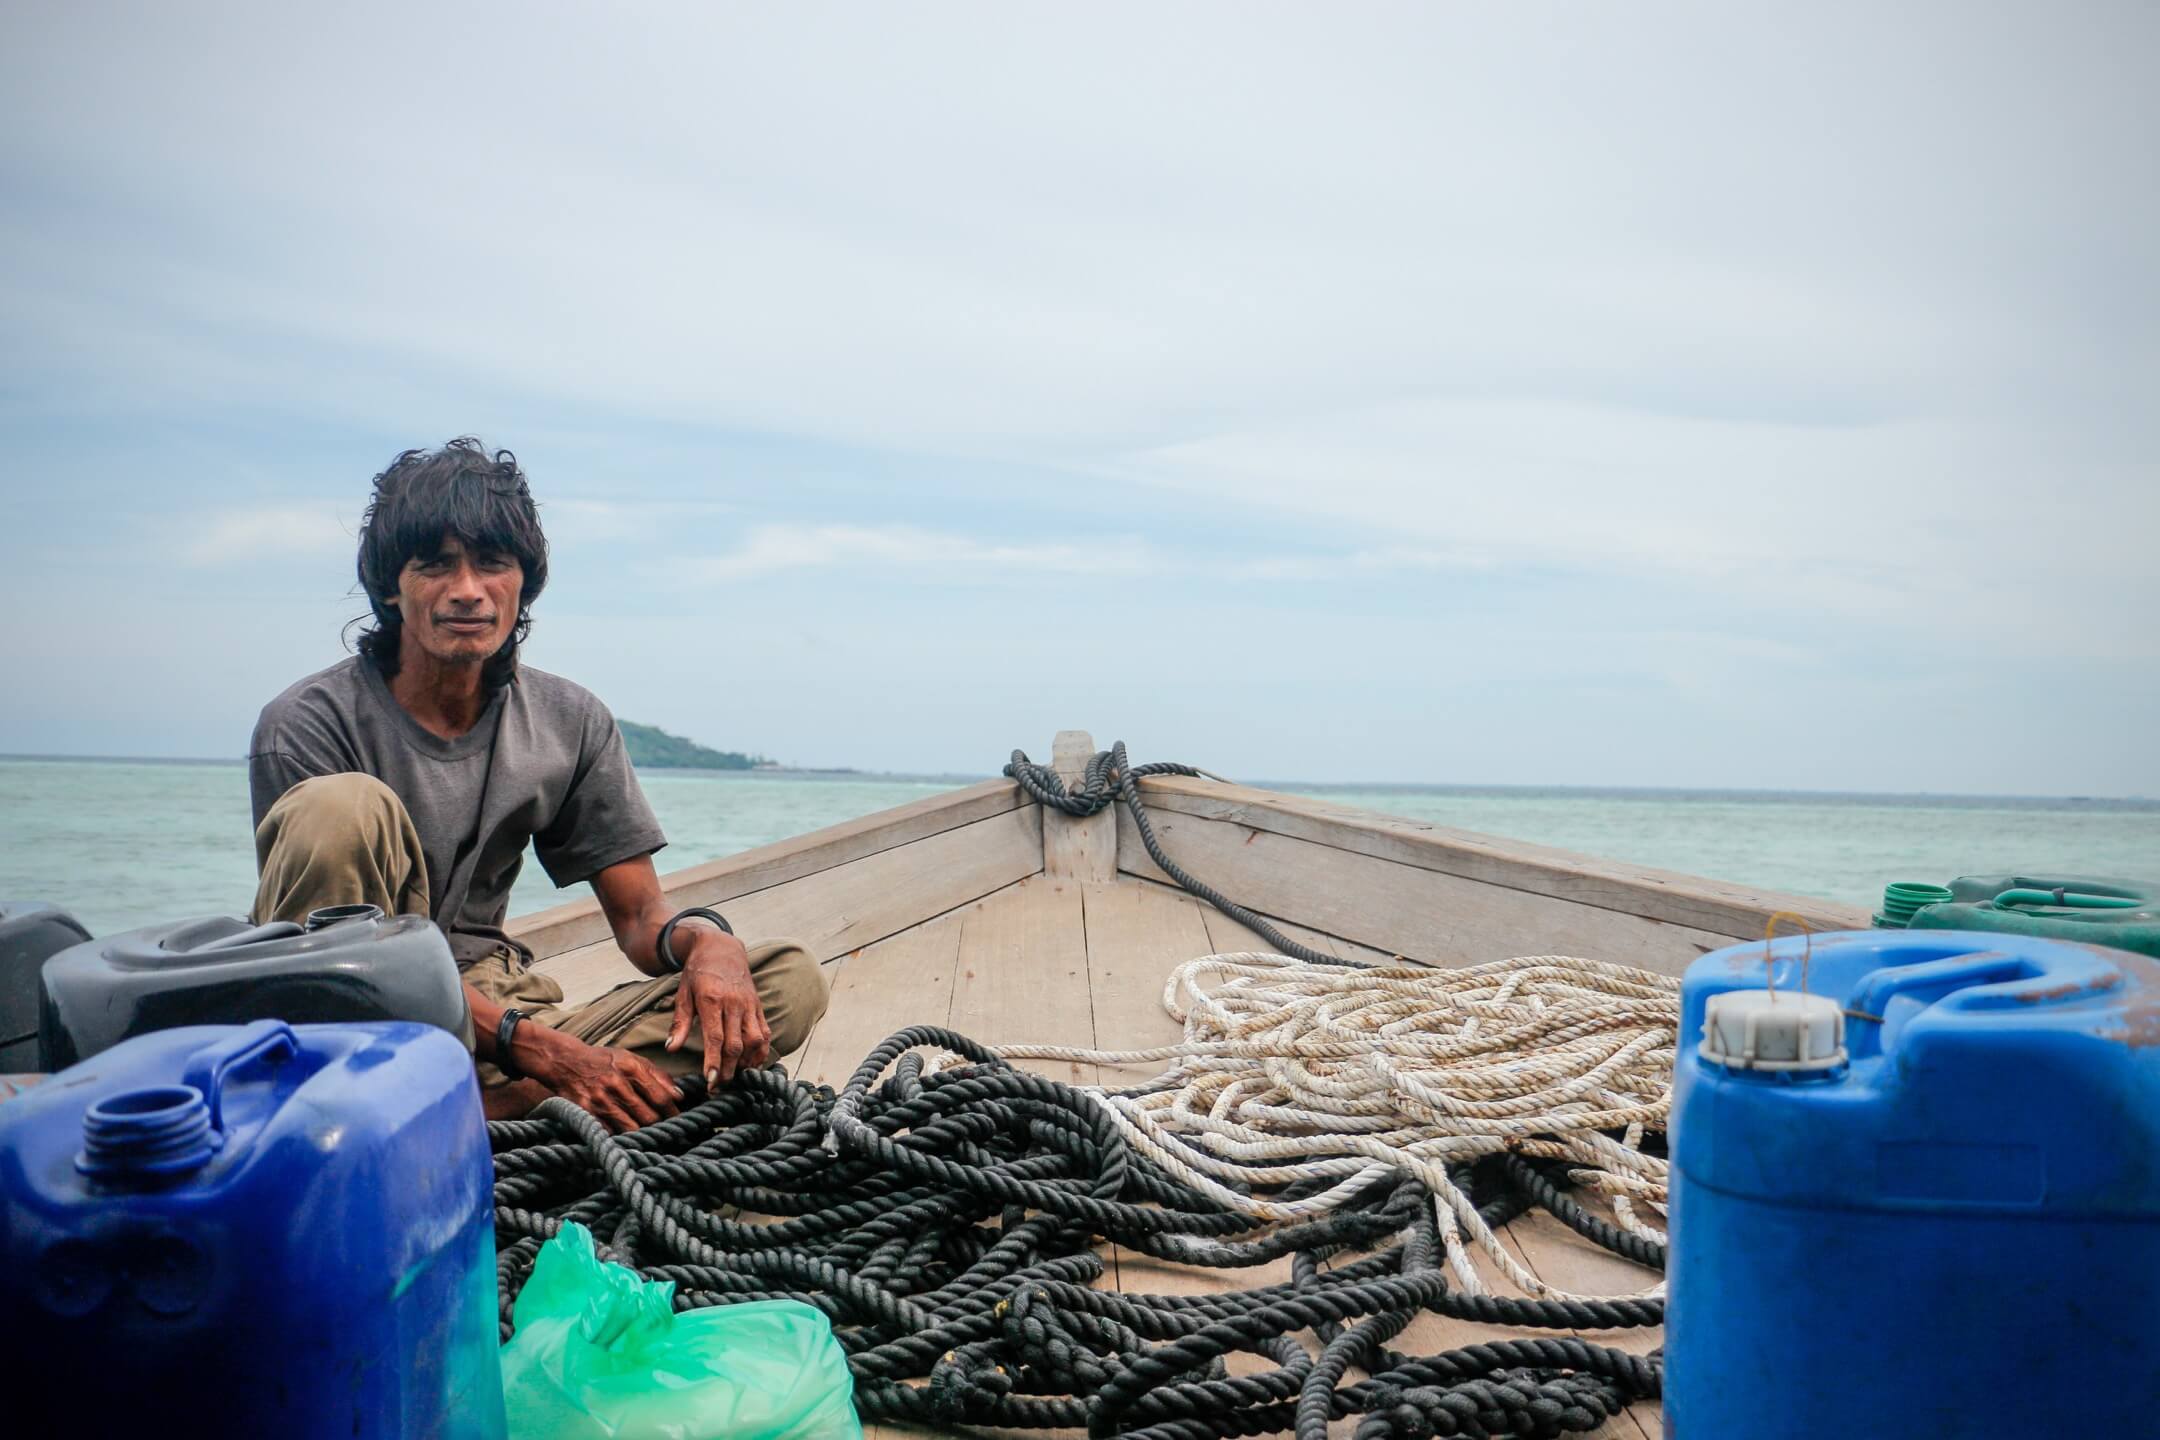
(1427, 915)
(833, 971)
(850, 906)
(1351, 950)
(1229, 936)
(1079, 848)
(901, 981)
(1023, 975)
(579, 922)
(1136, 935)
(1736, 912)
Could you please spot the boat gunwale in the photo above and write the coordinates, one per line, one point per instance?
(578, 923)
(1672, 896)
(1695, 903)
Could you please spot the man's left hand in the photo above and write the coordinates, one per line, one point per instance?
(718, 997)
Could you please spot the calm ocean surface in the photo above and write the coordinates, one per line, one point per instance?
(127, 843)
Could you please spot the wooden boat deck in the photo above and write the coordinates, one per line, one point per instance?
(1065, 962)
(977, 911)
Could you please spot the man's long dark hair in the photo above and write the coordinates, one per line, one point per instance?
(424, 495)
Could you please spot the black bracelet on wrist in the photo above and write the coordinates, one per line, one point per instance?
(504, 1029)
(661, 947)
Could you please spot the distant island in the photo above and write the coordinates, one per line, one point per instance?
(655, 749)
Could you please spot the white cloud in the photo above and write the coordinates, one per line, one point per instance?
(574, 520)
(945, 555)
(304, 530)
(772, 549)
(314, 529)
(735, 217)
(1352, 565)
(1940, 528)
(1424, 557)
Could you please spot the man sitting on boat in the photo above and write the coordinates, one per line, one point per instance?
(414, 774)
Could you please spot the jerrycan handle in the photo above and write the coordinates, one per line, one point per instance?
(1935, 980)
(1931, 980)
(2063, 897)
(274, 930)
(208, 1068)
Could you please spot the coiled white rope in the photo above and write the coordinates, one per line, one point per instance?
(1293, 1071)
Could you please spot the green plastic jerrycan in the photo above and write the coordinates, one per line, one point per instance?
(2123, 914)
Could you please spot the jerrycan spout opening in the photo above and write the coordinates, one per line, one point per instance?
(329, 915)
(149, 1135)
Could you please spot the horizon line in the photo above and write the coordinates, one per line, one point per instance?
(1280, 785)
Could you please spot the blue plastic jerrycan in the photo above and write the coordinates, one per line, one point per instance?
(1920, 1199)
(260, 1230)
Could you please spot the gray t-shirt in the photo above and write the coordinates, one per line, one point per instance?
(545, 764)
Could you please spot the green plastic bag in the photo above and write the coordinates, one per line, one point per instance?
(600, 1352)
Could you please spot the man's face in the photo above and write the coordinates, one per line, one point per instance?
(460, 606)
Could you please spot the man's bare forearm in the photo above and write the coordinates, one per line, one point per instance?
(639, 936)
(486, 1017)
(637, 909)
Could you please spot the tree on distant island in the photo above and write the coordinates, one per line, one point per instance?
(655, 749)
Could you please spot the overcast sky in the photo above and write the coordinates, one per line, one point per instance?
(1720, 395)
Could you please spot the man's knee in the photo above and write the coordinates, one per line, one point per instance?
(338, 840)
(331, 812)
(791, 987)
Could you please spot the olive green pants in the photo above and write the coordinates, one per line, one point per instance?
(346, 840)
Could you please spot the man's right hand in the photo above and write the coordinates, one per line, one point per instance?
(623, 1090)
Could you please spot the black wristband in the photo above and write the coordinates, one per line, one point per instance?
(667, 954)
(504, 1029)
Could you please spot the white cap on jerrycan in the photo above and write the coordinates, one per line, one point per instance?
(1775, 1030)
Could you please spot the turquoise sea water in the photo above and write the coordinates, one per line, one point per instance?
(127, 843)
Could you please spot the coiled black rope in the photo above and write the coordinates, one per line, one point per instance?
(949, 1224)
(1111, 776)
(1546, 1192)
